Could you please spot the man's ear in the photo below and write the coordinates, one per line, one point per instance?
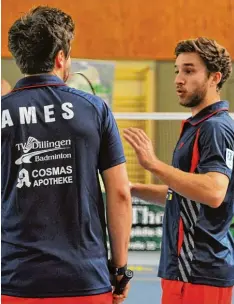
(216, 78)
(60, 59)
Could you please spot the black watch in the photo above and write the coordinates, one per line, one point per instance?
(116, 270)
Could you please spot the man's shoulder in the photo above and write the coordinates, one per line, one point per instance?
(8, 97)
(87, 97)
(220, 121)
(218, 128)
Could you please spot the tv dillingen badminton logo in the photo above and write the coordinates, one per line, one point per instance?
(46, 146)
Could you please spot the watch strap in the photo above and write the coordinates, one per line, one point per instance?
(116, 270)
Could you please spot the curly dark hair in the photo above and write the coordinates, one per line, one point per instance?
(215, 56)
(36, 38)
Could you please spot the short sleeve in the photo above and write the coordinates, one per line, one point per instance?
(216, 145)
(111, 152)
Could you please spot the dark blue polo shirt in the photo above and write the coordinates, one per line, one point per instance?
(208, 243)
(54, 141)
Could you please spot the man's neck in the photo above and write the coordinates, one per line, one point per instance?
(207, 102)
(54, 73)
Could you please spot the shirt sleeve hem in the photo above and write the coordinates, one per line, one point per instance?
(114, 163)
(214, 169)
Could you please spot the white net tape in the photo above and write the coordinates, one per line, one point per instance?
(154, 115)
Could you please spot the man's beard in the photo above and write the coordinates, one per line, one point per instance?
(195, 99)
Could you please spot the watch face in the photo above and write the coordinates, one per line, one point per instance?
(129, 273)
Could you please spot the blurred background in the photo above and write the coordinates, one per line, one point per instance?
(126, 49)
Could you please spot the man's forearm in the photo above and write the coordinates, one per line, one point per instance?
(119, 220)
(152, 193)
(197, 187)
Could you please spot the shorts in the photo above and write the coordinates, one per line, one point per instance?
(177, 292)
(105, 298)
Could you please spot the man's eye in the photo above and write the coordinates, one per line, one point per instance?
(188, 72)
(176, 72)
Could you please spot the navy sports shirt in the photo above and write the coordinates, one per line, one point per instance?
(54, 141)
(207, 253)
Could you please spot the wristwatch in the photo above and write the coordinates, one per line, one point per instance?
(116, 270)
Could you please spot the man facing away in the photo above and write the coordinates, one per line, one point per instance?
(55, 139)
(197, 258)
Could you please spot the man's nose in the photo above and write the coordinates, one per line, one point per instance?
(179, 80)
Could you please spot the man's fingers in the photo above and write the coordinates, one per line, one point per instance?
(138, 134)
(133, 135)
(117, 299)
(131, 141)
(139, 142)
(135, 139)
(133, 132)
(124, 294)
(141, 133)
